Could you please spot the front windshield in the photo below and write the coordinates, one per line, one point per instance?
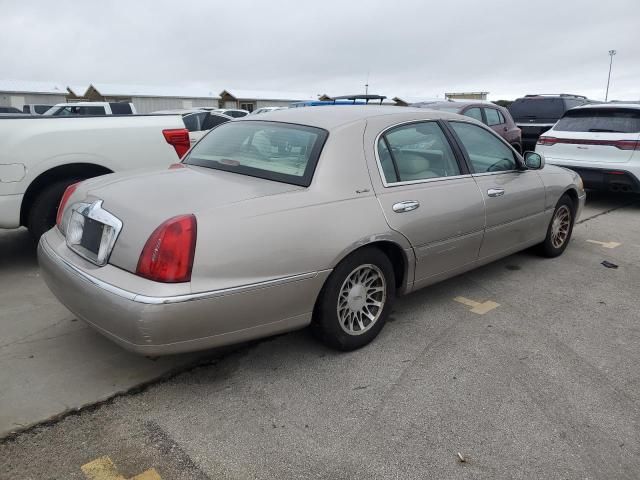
(275, 151)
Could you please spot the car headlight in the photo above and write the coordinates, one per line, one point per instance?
(580, 183)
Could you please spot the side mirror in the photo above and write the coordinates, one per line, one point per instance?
(533, 160)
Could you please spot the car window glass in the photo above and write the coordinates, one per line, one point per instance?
(492, 116)
(501, 117)
(486, 152)
(192, 122)
(420, 151)
(474, 113)
(213, 120)
(600, 120)
(282, 152)
(40, 109)
(386, 162)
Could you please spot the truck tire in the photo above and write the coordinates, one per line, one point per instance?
(43, 211)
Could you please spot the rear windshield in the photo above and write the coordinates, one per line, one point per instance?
(532, 108)
(40, 109)
(600, 120)
(275, 151)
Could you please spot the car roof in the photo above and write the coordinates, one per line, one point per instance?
(609, 106)
(331, 117)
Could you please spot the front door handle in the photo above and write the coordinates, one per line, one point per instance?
(495, 192)
(405, 206)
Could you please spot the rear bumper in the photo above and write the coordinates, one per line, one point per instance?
(182, 323)
(626, 179)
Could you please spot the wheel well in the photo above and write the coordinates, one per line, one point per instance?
(573, 195)
(397, 257)
(75, 170)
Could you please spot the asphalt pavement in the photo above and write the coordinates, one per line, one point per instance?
(543, 384)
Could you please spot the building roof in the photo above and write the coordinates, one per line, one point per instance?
(268, 95)
(123, 90)
(78, 90)
(22, 86)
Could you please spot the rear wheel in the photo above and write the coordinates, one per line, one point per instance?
(560, 228)
(43, 211)
(355, 301)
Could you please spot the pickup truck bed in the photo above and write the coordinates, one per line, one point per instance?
(41, 156)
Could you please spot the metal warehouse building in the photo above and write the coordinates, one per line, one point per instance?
(253, 99)
(15, 93)
(148, 98)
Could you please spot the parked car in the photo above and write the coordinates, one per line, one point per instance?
(91, 108)
(494, 116)
(40, 156)
(266, 109)
(600, 142)
(35, 109)
(9, 110)
(535, 114)
(232, 112)
(301, 216)
(198, 121)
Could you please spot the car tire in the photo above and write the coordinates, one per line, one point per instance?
(43, 211)
(355, 301)
(560, 228)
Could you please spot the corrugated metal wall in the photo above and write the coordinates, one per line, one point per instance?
(19, 99)
(152, 104)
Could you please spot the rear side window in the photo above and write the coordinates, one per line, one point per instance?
(600, 120)
(274, 151)
(493, 117)
(213, 120)
(487, 153)
(533, 108)
(120, 108)
(193, 121)
(40, 109)
(474, 113)
(417, 151)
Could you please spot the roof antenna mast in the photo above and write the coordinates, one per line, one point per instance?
(366, 85)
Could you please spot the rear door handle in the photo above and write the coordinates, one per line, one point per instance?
(495, 192)
(405, 206)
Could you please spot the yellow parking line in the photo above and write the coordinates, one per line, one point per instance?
(477, 307)
(605, 244)
(104, 469)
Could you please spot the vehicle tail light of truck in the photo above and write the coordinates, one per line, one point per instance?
(168, 254)
(179, 138)
(627, 144)
(63, 202)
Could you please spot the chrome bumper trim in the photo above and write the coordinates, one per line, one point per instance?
(148, 300)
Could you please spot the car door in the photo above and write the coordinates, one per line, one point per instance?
(514, 197)
(429, 196)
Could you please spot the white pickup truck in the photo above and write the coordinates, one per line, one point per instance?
(41, 156)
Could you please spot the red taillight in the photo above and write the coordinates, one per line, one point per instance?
(627, 144)
(621, 144)
(63, 201)
(168, 254)
(547, 141)
(179, 138)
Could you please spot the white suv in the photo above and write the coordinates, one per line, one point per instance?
(600, 142)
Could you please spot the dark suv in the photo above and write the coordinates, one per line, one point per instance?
(492, 115)
(535, 114)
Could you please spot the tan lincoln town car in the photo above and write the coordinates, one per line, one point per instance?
(309, 216)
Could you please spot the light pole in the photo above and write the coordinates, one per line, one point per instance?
(611, 54)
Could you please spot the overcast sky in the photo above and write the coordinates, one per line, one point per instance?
(405, 47)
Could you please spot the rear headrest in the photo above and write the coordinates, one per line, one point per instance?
(411, 163)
